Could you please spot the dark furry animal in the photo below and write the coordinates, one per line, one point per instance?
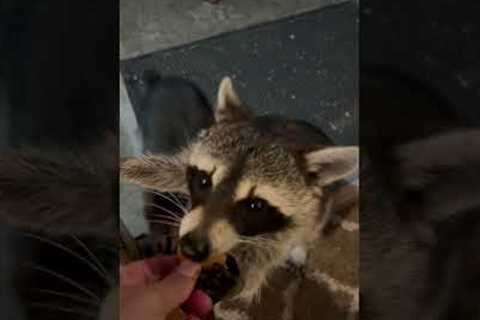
(420, 204)
(59, 208)
(171, 111)
(62, 276)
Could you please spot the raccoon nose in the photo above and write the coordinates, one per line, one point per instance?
(195, 247)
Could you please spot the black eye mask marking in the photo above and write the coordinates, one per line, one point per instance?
(254, 216)
(199, 184)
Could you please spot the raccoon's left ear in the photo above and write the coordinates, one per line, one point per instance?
(159, 172)
(332, 164)
(229, 107)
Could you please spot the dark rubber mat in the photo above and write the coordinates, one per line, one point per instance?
(303, 67)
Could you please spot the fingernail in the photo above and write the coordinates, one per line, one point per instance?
(188, 268)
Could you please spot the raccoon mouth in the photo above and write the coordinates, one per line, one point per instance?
(220, 281)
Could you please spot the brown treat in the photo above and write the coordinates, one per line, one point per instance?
(220, 259)
(176, 314)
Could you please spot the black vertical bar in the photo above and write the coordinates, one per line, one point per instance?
(58, 154)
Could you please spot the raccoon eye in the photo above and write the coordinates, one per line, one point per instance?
(203, 180)
(256, 204)
(198, 180)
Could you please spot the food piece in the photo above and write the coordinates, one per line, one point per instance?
(176, 314)
(220, 259)
(219, 278)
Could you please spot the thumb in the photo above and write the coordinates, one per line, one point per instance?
(175, 288)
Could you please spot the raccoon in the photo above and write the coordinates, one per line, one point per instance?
(258, 187)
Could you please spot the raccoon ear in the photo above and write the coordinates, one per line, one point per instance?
(229, 107)
(159, 172)
(332, 164)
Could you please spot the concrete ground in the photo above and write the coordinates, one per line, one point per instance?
(147, 26)
(151, 25)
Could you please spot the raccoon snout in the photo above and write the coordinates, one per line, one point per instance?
(195, 247)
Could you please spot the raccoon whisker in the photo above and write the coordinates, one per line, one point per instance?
(163, 195)
(68, 250)
(257, 240)
(157, 217)
(160, 215)
(177, 203)
(67, 280)
(157, 193)
(173, 198)
(265, 240)
(177, 198)
(73, 297)
(173, 215)
(253, 244)
(66, 310)
(95, 259)
(167, 223)
(246, 241)
(164, 217)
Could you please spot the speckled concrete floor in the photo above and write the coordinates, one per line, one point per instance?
(151, 25)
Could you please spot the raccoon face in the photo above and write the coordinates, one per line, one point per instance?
(255, 183)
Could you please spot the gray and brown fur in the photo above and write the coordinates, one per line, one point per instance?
(289, 164)
(420, 237)
(59, 190)
(51, 196)
(420, 217)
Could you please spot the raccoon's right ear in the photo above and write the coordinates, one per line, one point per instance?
(229, 107)
(329, 165)
(159, 172)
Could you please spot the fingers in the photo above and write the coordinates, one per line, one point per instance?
(150, 298)
(146, 271)
(175, 288)
(198, 304)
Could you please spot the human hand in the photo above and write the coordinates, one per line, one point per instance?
(150, 289)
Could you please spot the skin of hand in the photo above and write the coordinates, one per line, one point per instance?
(150, 289)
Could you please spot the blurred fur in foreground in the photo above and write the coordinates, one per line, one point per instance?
(420, 204)
(59, 207)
